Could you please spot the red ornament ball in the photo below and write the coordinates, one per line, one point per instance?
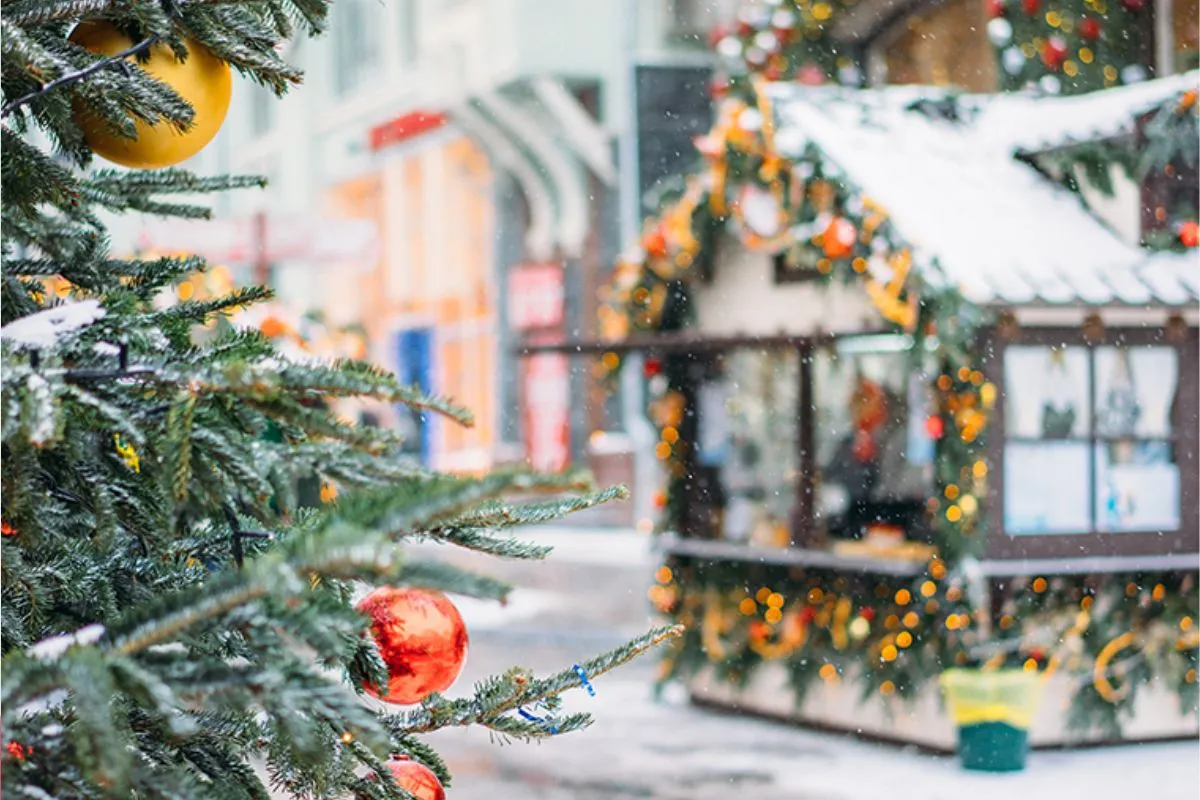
(652, 367)
(421, 638)
(1031, 7)
(997, 8)
(935, 427)
(1054, 52)
(1134, 5)
(718, 88)
(417, 779)
(867, 613)
(1089, 28)
(839, 238)
(1189, 234)
(655, 244)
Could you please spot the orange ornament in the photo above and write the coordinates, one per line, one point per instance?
(6, 529)
(422, 639)
(839, 238)
(273, 327)
(417, 779)
(1189, 233)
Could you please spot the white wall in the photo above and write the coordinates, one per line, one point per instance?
(744, 298)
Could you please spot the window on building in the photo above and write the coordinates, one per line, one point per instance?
(358, 27)
(873, 451)
(746, 455)
(1090, 440)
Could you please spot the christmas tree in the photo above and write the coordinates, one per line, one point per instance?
(175, 622)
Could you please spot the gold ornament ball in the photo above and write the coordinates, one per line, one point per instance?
(203, 80)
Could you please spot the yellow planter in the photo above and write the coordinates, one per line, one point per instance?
(993, 711)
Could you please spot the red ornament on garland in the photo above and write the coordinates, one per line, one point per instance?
(867, 613)
(1031, 7)
(718, 88)
(417, 779)
(1189, 233)
(997, 8)
(1134, 5)
(1054, 52)
(655, 244)
(935, 427)
(6, 529)
(839, 238)
(421, 638)
(652, 367)
(1089, 28)
(744, 28)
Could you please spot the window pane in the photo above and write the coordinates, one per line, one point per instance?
(1138, 487)
(1135, 389)
(747, 438)
(1046, 488)
(873, 450)
(1046, 392)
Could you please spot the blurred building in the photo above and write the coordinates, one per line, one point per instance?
(494, 148)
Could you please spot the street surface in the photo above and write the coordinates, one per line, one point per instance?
(590, 595)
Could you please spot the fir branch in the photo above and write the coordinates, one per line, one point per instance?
(503, 694)
(79, 75)
(27, 13)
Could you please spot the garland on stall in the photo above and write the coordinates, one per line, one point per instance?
(891, 635)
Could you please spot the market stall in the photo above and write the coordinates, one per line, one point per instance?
(920, 408)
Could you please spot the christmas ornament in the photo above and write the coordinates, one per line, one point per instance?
(729, 48)
(1013, 60)
(860, 628)
(7, 530)
(1031, 7)
(652, 367)
(839, 238)
(1089, 28)
(935, 427)
(1134, 73)
(999, 31)
(1189, 234)
(655, 244)
(417, 779)
(715, 36)
(1134, 5)
(1050, 84)
(203, 80)
(421, 638)
(1054, 52)
(997, 8)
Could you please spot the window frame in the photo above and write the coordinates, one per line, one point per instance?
(1185, 438)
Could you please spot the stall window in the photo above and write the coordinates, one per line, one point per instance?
(872, 448)
(1090, 444)
(746, 443)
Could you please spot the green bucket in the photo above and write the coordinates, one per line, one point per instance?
(993, 711)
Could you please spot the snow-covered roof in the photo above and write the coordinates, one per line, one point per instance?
(957, 193)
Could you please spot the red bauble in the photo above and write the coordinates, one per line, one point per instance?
(655, 244)
(773, 73)
(1189, 234)
(421, 638)
(417, 779)
(1089, 28)
(745, 29)
(1054, 52)
(718, 88)
(652, 367)
(935, 427)
(839, 238)
(1134, 5)
(997, 8)
(867, 613)
(1031, 7)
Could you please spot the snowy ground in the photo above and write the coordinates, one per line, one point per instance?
(590, 594)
